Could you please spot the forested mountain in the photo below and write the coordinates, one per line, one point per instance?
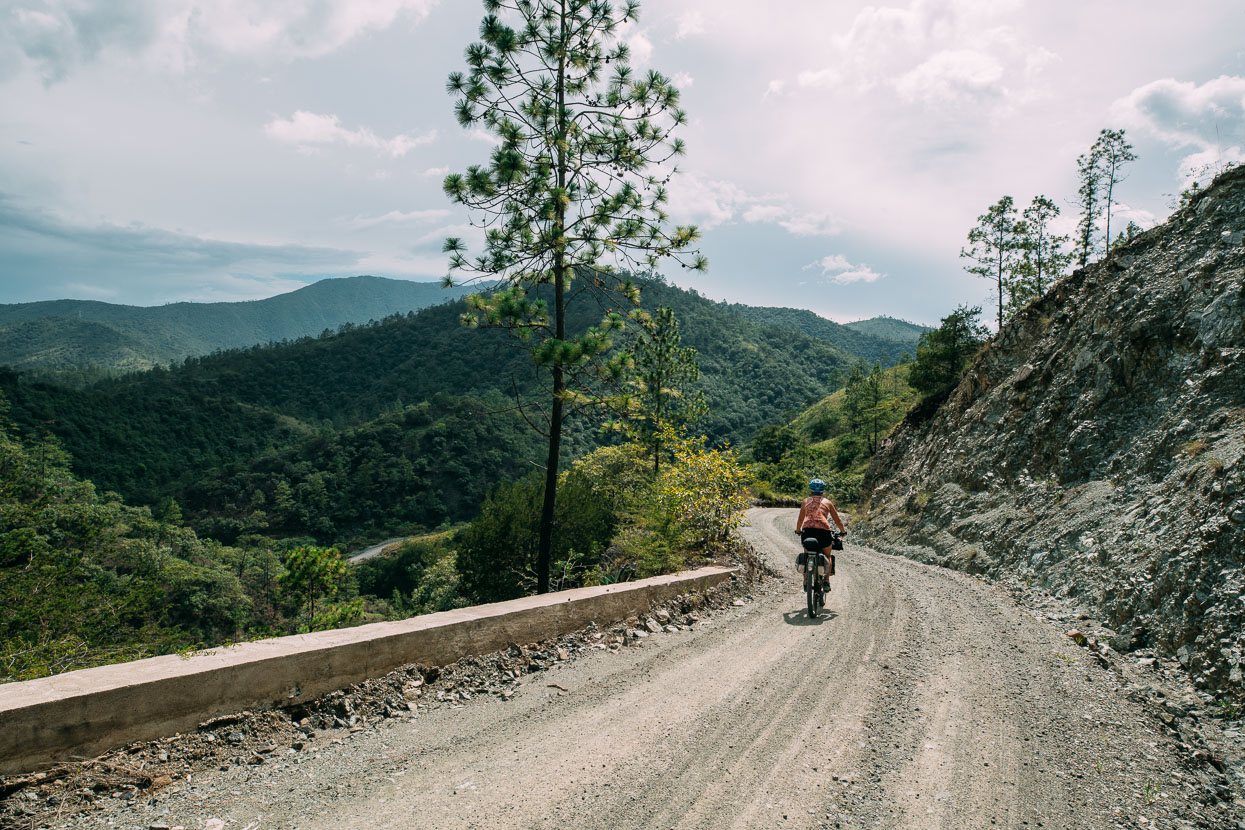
(879, 340)
(892, 329)
(59, 343)
(61, 334)
(219, 425)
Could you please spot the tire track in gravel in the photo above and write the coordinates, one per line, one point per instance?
(923, 699)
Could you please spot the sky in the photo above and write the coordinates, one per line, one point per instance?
(838, 152)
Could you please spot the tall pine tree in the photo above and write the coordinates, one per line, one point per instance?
(575, 187)
(994, 248)
(1114, 152)
(1043, 253)
(665, 370)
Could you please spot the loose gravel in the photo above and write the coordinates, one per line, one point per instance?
(923, 698)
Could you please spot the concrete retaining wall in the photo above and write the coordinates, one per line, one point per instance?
(87, 712)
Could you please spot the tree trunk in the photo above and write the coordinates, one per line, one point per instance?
(551, 475)
(559, 318)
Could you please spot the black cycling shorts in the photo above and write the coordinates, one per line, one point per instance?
(823, 536)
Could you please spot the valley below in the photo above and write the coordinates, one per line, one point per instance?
(923, 698)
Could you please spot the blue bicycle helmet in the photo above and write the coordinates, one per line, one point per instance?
(817, 486)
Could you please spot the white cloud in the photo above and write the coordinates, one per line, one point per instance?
(841, 271)
(435, 172)
(710, 202)
(689, 23)
(682, 80)
(934, 52)
(1204, 165)
(813, 79)
(59, 36)
(810, 224)
(400, 217)
(472, 235)
(641, 49)
(1123, 213)
(1183, 113)
(153, 263)
(306, 129)
(707, 202)
(1208, 119)
(482, 135)
(952, 77)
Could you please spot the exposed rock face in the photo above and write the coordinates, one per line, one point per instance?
(1095, 446)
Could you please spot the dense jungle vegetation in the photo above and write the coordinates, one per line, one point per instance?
(193, 432)
(210, 502)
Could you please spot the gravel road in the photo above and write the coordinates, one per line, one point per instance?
(923, 699)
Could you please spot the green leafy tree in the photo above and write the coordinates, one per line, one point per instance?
(875, 406)
(664, 371)
(1043, 253)
(994, 248)
(497, 552)
(866, 405)
(311, 573)
(772, 442)
(575, 187)
(944, 353)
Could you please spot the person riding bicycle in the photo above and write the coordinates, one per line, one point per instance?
(814, 519)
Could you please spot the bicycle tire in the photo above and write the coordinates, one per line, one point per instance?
(812, 602)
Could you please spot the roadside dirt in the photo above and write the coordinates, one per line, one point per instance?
(922, 699)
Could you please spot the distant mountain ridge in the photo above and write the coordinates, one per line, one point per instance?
(890, 328)
(62, 334)
(150, 435)
(58, 335)
(878, 340)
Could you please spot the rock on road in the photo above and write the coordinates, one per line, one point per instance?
(922, 699)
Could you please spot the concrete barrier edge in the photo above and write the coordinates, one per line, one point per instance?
(87, 712)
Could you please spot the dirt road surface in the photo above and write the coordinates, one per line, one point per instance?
(923, 699)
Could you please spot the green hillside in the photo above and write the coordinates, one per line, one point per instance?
(892, 330)
(835, 438)
(65, 344)
(880, 343)
(230, 417)
(62, 334)
(405, 471)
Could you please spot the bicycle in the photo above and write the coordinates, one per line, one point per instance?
(816, 583)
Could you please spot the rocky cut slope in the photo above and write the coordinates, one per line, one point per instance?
(1095, 446)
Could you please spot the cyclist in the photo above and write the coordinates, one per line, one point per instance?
(814, 519)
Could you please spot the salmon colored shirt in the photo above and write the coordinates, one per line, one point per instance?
(817, 511)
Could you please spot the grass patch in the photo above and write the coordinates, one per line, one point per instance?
(1194, 448)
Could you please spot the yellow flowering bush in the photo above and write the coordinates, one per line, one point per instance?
(700, 498)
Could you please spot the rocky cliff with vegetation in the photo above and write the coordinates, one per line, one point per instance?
(1095, 446)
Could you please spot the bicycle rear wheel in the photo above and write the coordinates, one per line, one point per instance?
(812, 600)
